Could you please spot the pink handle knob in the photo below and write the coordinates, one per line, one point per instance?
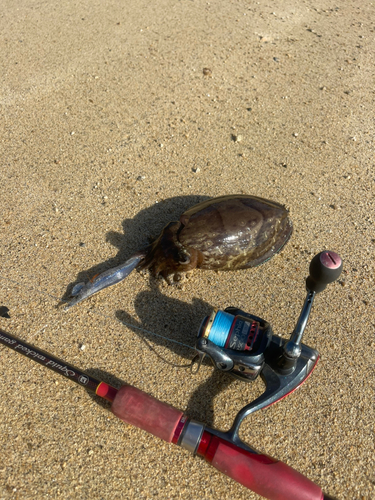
(264, 475)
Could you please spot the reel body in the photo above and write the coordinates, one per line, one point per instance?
(264, 356)
(235, 341)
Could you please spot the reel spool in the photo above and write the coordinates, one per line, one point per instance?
(235, 341)
(230, 332)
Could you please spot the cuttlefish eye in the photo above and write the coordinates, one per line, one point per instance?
(184, 258)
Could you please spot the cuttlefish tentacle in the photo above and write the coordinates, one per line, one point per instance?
(103, 280)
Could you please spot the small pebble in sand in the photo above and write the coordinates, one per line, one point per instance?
(207, 72)
(196, 170)
(236, 138)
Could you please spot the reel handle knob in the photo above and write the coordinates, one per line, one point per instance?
(325, 268)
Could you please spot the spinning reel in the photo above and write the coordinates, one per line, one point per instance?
(244, 345)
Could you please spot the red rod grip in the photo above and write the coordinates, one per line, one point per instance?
(137, 408)
(262, 474)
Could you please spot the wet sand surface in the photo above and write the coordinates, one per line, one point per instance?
(111, 128)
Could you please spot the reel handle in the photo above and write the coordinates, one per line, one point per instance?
(264, 475)
(325, 268)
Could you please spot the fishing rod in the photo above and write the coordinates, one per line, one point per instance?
(244, 346)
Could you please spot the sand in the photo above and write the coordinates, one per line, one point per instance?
(110, 128)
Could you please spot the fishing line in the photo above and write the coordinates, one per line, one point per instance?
(42, 292)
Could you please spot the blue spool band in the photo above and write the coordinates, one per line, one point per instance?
(220, 328)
